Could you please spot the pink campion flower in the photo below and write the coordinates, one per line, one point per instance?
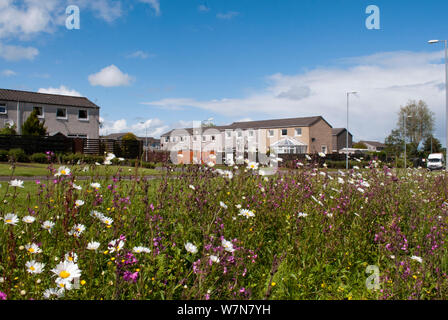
(2, 296)
(130, 276)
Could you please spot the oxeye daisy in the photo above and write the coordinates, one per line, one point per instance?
(65, 272)
(75, 186)
(34, 267)
(95, 185)
(191, 248)
(141, 250)
(252, 166)
(79, 203)
(48, 225)
(71, 256)
(77, 230)
(214, 259)
(11, 219)
(16, 183)
(115, 245)
(53, 292)
(106, 220)
(223, 205)
(246, 213)
(33, 248)
(62, 171)
(28, 219)
(93, 245)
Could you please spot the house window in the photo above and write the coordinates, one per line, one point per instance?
(39, 111)
(284, 132)
(83, 136)
(204, 138)
(240, 134)
(181, 139)
(271, 133)
(324, 149)
(299, 132)
(3, 109)
(229, 134)
(251, 133)
(213, 138)
(61, 113)
(195, 138)
(167, 139)
(83, 114)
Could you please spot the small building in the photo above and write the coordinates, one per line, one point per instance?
(340, 139)
(373, 145)
(75, 117)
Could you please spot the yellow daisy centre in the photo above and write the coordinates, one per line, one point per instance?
(70, 258)
(64, 274)
(31, 250)
(32, 268)
(8, 221)
(63, 172)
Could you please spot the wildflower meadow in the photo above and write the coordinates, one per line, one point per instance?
(234, 232)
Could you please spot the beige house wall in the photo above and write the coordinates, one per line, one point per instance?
(323, 136)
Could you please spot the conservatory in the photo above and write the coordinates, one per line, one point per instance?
(289, 145)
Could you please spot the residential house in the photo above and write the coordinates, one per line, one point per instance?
(67, 115)
(292, 136)
(340, 139)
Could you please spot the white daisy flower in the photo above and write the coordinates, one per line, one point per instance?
(77, 230)
(48, 225)
(141, 250)
(191, 247)
(93, 245)
(95, 185)
(416, 258)
(106, 220)
(71, 256)
(33, 248)
(307, 157)
(322, 155)
(34, 267)
(28, 219)
(62, 171)
(120, 159)
(192, 187)
(11, 219)
(246, 213)
(301, 214)
(75, 186)
(16, 183)
(79, 203)
(54, 292)
(96, 214)
(115, 245)
(223, 205)
(227, 245)
(252, 166)
(65, 272)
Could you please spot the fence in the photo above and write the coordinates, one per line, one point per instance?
(60, 144)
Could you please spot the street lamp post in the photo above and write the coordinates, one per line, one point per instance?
(404, 138)
(146, 140)
(446, 92)
(346, 133)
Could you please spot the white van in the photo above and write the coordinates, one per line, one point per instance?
(435, 161)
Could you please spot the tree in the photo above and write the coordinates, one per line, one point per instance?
(129, 137)
(394, 143)
(419, 121)
(33, 126)
(436, 145)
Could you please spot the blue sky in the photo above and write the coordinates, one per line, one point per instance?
(168, 62)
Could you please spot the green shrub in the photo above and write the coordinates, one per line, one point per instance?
(39, 158)
(4, 156)
(18, 155)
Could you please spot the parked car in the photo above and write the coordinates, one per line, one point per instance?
(435, 161)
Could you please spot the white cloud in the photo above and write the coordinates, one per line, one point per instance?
(203, 8)
(104, 9)
(62, 90)
(140, 54)
(16, 53)
(154, 127)
(8, 73)
(155, 4)
(228, 15)
(385, 81)
(110, 76)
